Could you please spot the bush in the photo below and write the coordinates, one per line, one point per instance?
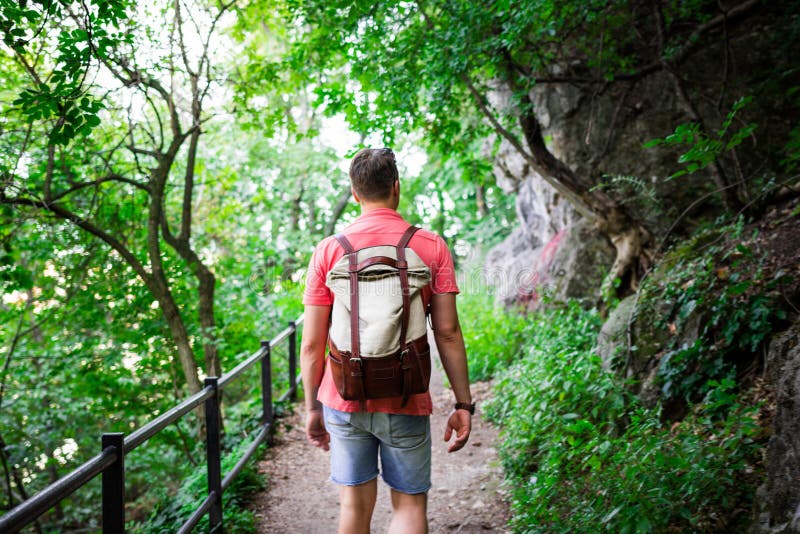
(724, 285)
(491, 334)
(582, 455)
(171, 511)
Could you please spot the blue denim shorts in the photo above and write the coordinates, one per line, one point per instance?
(403, 443)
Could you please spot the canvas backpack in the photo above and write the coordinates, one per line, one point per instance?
(378, 344)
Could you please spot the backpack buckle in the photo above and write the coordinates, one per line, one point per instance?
(357, 370)
(403, 365)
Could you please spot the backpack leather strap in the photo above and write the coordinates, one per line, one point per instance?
(353, 270)
(348, 248)
(402, 266)
(354, 363)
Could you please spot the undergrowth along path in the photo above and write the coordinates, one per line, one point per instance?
(465, 498)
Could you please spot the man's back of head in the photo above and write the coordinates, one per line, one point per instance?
(373, 173)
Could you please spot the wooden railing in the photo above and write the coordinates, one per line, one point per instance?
(110, 463)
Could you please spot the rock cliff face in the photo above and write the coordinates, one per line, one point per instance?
(588, 133)
(778, 499)
(599, 132)
(552, 250)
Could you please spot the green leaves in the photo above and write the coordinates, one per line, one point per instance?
(716, 305)
(74, 38)
(701, 148)
(582, 455)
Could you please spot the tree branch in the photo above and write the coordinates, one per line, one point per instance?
(48, 175)
(188, 187)
(74, 218)
(582, 207)
(181, 44)
(27, 66)
(108, 178)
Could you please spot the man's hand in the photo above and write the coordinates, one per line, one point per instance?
(461, 422)
(315, 430)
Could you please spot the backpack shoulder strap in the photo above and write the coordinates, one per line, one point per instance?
(402, 267)
(406, 237)
(348, 248)
(355, 347)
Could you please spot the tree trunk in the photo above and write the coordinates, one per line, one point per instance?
(159, 284)
(480, 200)
(629, 236)
(180, 337)
(208, 323)
(338, 209)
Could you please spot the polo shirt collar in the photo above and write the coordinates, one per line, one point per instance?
(381, 212)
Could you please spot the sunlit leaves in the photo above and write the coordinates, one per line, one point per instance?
(57, 43)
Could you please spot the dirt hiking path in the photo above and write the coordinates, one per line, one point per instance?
(465, 497)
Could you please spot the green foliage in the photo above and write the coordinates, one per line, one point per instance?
(491, 334)
(85, 348)
(87, 93)
(170, 512)
(61, 96)
(718, 293)
(457, 198)
(582, 455)
(702, 149)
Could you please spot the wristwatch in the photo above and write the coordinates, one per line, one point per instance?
(470, 407)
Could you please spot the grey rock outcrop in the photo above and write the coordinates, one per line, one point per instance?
(612, 341)
(627, 344)
(580, 261)
(606, 133)
(552, 250)
(571, 264)
(778, 499)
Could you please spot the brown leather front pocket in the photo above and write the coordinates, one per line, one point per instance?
(385, 373)
(337, 371)
(408, 371)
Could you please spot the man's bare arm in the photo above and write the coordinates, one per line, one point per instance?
(312, 367)
(449, 339)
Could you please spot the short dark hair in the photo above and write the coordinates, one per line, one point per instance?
(373, 172)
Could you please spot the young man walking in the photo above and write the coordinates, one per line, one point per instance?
(394, 429)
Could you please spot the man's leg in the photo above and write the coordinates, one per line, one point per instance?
(357, 504)
(406, 467)
(354, 466)
(410, 513)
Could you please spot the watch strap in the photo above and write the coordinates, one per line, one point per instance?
(470, 407)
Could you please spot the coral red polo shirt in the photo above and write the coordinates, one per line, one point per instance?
(382, 226)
